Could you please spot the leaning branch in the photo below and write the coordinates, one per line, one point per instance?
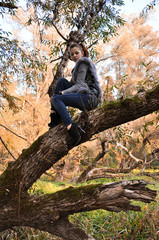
(100, 155)
(60, 34)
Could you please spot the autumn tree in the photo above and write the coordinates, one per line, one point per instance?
(132, 58)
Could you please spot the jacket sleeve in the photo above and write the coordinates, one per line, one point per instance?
(80, 84)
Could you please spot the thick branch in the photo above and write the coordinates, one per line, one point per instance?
(56, 143)
(60, 71)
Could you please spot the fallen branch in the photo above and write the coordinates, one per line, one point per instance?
(130, 154)
(53, 209)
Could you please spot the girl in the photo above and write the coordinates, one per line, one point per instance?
(83, 92)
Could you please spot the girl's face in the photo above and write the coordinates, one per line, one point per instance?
(76, 54)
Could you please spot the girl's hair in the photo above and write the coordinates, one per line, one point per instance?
(82, 47)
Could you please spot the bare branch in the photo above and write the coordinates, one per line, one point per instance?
(130, 154)
(13, 132)
(8, 5)
(65, 39)
(7, 148)
(100, 155)
(55, 59)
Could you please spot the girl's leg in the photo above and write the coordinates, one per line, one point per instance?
(62, 84)
(82, 101)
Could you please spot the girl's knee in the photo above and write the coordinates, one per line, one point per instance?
(53, 100)
(61, 80)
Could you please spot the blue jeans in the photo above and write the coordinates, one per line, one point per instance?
(82, 101)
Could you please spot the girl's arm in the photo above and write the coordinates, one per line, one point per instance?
(80, 84)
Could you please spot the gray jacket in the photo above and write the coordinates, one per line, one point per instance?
(84, 78)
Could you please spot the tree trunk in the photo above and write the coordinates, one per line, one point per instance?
(50, 212)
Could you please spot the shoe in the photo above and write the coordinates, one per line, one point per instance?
(55, 120)
(75, 134)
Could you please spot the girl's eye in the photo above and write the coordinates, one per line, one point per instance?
(76, 53)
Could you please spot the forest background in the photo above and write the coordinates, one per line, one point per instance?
(127, 63)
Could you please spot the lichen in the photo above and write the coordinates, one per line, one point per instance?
(74, 193)
(120, 103)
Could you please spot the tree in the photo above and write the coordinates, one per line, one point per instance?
(132, 66)
(133, 57)
(48, 149)
(50, 212)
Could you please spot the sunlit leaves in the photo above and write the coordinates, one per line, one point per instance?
(99, 18)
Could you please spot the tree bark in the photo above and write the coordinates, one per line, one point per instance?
(50, 212)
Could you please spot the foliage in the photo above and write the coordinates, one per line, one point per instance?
(133, 59)
(8, 54)
(102, 225)
(97, 19)
(8, 7)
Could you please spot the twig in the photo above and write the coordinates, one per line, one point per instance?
(130, 154)
(55, 59)
(59, 32)
(92, 44)
(13, 132)
(7, 148)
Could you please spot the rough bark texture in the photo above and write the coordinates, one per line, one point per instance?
(50, 212)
